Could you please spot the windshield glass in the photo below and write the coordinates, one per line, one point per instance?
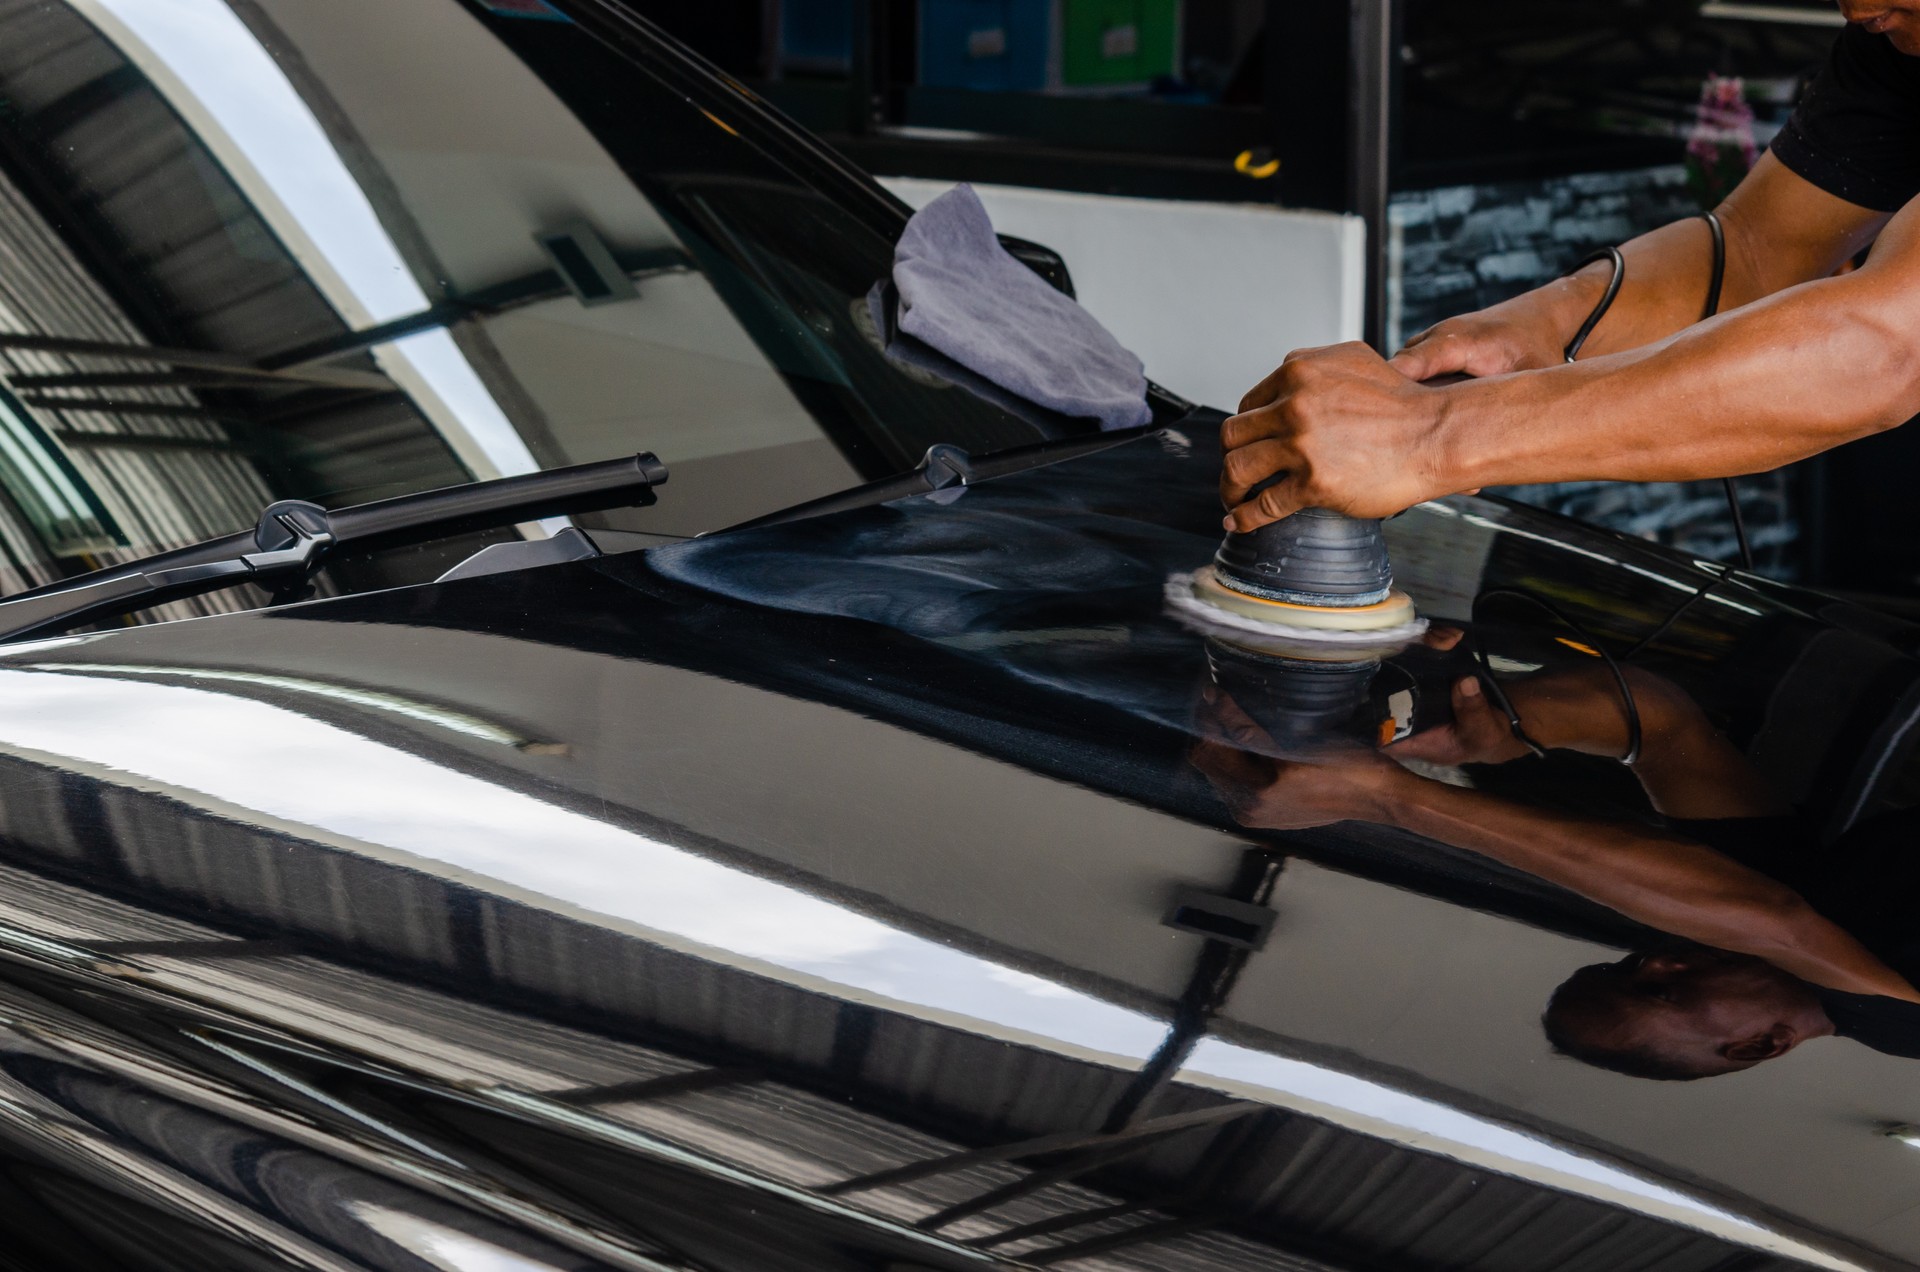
(267, 249)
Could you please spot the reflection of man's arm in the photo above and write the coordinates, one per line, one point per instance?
(1688, 768)
(1657, 879)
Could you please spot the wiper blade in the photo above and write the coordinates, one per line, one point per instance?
(293, 537)
(948, 467)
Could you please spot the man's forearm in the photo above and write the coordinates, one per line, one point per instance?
(1664, 290)
(1671, 884)
(1688, 768)
(1779, 231)
(1782, 379)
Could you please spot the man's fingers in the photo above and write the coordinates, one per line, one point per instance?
(1229, 768)
(1438, 745)
(1262, 393)
(1275, 503)
(1246, 428)
(1247, 466)
(1480, 727)
(1231, 722)
(1431, 359)
(1469, 699)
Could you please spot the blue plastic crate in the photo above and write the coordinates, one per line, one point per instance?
(996, 45)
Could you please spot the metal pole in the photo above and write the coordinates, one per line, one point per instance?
(1373, 48)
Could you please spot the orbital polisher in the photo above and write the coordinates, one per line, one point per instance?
(1318, 574)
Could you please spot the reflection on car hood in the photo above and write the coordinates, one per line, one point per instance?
(836, 894)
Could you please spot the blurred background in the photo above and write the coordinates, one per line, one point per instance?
(1229, 179)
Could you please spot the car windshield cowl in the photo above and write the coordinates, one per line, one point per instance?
(949, 467)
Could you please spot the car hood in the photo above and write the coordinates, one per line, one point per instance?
(839, 891)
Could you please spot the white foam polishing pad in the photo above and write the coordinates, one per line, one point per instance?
(1395, 611)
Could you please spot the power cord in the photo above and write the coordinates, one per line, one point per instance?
(1619, 276)
(1717, 277)
(1499, 695)
(1716, 281)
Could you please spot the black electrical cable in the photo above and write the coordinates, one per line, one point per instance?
(1588, 639)
(1619, 276)
(1715, 279)
(1666, 624)
(1719, 274)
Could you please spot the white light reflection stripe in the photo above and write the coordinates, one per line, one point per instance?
(1589, 553)
(229, 90)
(371, 794)
(260, 758)
(425, 713)
(1377, 1109)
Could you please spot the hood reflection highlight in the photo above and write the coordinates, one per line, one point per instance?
(491, 836)
(376, 796)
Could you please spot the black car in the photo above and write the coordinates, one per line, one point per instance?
(836, 854)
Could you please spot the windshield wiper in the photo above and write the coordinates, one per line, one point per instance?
(293, 537)
(948, 467)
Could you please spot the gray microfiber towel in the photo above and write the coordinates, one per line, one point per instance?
(962, 294)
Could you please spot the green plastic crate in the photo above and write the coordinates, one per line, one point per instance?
(1117, 41)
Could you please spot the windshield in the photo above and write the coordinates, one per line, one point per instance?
(268, 249)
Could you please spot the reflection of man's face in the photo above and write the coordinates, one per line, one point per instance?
(1695, 1014)
(1898, 20)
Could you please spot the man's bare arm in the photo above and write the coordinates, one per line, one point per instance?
(1668, 883)
(1688, 768)
(1780, 230)
(1777, 380)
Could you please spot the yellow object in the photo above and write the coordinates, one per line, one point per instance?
(1244, 163)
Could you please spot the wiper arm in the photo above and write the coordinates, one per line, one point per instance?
(948, 467)
(293, 537)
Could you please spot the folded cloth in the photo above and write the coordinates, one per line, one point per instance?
(963, 295)
(928, 364)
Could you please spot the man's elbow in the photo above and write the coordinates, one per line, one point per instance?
(1882, 355)
(1773, 922)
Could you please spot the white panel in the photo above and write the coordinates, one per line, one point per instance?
(1210, 295)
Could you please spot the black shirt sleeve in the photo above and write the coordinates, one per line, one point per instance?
(1890, 1025)
(1856, 132)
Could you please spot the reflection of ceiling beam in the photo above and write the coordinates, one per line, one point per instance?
(197, 359)
(29, 162)
(1162, 1230)
(494, 299)
(655, 1088)
(115, 406)
(1057, 1223)
(221, 947)
(84, 100)
(1059, 1142)
(1084, 1162)
(146, 380)
(138, 441)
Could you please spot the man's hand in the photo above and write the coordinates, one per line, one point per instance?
(1263, 792)
(1491, 341)
(1348, 432)
(1477, 734)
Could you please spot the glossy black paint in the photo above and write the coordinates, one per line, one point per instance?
(839, 894)
(270, 1009)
